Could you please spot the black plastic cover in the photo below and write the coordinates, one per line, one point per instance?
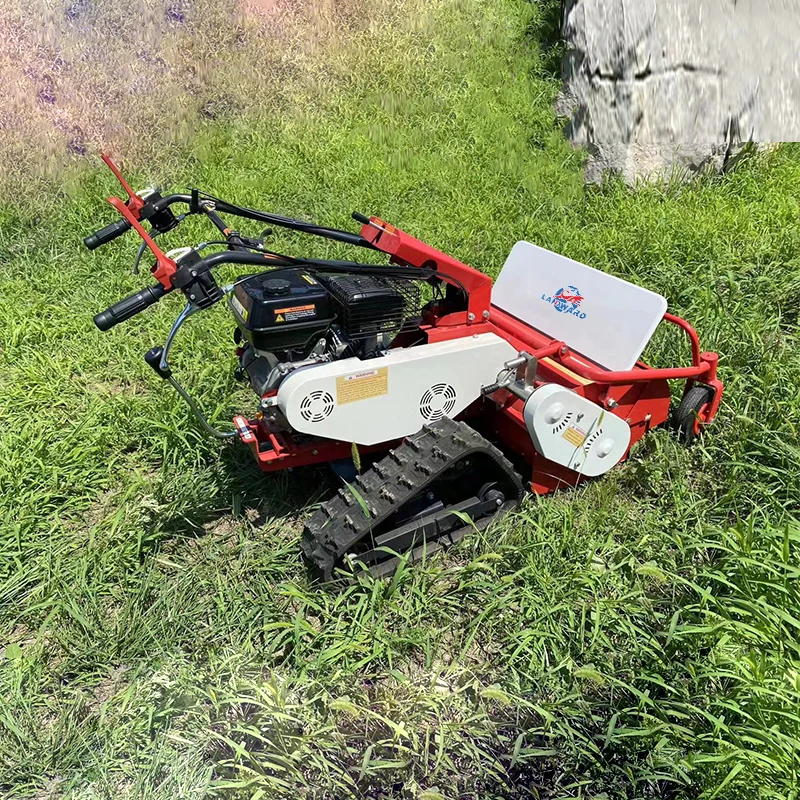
(368, 304)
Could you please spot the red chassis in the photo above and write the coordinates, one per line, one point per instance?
(640, 396)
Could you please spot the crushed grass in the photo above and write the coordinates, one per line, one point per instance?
(636, 638)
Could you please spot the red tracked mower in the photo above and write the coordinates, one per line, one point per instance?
(452, 395)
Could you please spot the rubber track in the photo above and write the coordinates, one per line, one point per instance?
(341, 522)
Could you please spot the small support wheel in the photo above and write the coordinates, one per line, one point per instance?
(686, 418)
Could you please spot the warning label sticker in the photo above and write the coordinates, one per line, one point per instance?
(362, 385)
(574, 435)
(295, 313)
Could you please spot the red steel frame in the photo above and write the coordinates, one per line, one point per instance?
(641, 395)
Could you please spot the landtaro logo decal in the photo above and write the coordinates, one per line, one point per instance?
(568, 301)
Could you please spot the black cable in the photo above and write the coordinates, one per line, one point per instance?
(286, 222)
(231, 244)
(344, 267)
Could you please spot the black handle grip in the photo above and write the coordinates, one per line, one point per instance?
(107, 234)
(129, 307)
(360, 218)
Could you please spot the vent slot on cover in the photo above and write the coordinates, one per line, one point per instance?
(437, 402)
(316, 406)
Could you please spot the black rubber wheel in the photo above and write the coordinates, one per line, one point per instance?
(685, 419)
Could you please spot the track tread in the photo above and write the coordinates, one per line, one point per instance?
(340, 523)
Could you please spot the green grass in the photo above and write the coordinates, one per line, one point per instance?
(637, 638)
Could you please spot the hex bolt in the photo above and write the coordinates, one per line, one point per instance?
(486, 315)
(611, 403)
(564, 350)
(471, 317)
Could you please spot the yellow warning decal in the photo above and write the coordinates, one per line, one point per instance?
(564, 371)
(574, 435)
(243, 312)
(295, 313)
(362, 385)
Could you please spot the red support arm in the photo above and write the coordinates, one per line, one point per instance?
(134, 203)
(703, 364)
(405, 249)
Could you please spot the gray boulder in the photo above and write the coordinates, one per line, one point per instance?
(655, 87)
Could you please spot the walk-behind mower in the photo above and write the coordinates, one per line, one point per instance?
(446, 384)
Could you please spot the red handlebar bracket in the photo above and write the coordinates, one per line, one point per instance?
(165, 267)
(134, 203)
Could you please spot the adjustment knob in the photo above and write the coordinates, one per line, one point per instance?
(605, 447)
(153, 358)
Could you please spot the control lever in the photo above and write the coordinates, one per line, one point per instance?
(157, 359)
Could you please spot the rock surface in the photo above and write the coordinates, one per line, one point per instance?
(654, 87)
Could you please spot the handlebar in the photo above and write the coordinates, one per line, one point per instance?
(192, 275)
(194, 280)
(107, 234)
(129, 307)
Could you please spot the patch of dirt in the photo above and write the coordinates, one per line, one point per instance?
(85, 76)
(80, 76)
(22, 636)
(107, 688)
(51, 790)
(265, 7)
(223, 527)
(113, 388)
(100, 508)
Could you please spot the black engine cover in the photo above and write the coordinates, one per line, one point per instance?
(281, 311)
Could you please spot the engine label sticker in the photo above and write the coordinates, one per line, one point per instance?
(574, 435)
(243, 312)
(295, 313)
(362, 385)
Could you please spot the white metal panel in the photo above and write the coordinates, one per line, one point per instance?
(574, 432)
(601, 316)
(387, 398)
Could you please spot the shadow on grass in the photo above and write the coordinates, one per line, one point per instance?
(544, 32)
(240, 490)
